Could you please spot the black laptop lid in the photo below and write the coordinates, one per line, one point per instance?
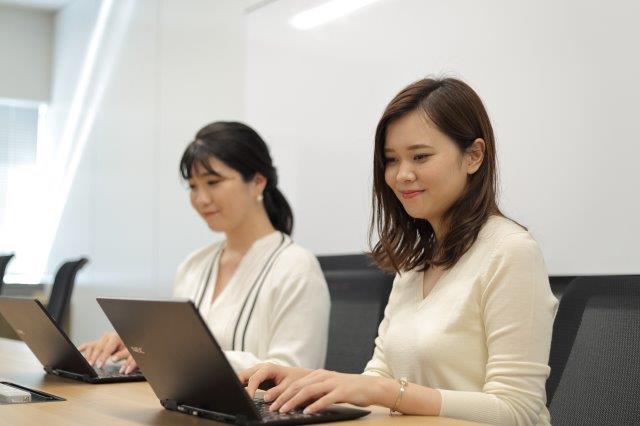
(178, 355)
(47, 341)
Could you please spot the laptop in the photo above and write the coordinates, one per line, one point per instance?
(31, 321)
(188, 370)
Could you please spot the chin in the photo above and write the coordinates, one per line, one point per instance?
(416, 216)
(216, 226)
(415, 213)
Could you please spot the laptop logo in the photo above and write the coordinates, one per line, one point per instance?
(20, 332)
(138, 350)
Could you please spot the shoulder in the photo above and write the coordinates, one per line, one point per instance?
(189, 272)
(405, 278)
(512, 256)
(297, 271)
(295, 260)
(196, 258)
(501, 237)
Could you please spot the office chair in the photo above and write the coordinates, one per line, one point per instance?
(595, 353)
(4, 262)
(346, 262)
(63, 288)
(358, 299)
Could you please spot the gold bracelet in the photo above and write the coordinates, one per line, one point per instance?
(403, 383)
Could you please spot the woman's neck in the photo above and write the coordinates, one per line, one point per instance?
(241, 238)
(436, 225)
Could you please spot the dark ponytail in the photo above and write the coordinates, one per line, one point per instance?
(241, 148)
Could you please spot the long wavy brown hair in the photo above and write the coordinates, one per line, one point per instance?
(406, 243)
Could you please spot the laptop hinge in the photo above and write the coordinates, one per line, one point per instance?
(195, 411)
(68, 374)
(169, 404)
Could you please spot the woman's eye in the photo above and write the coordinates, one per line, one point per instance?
(192, 187)
(389, 160)
(421, 157)
(212, 182)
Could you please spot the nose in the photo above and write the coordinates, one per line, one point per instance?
(201, 198)
(405, 174)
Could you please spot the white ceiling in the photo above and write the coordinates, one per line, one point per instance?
(52, 5)
(251, 5)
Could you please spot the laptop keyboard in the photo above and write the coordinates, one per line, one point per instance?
(270, 416)
(111, 370)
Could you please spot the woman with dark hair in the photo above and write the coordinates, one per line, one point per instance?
(467, 328)
(263, 296)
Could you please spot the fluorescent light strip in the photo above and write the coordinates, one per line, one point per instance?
(327, 12)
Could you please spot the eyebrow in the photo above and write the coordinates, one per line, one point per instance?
(412, 147)
(207, 174)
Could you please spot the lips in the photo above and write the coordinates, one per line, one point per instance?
(411, 194)
(209, 214)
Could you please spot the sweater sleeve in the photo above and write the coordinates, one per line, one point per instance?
(299, 323)
(377, 365)
(518, 310)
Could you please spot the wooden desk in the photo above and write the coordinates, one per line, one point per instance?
(118, 403)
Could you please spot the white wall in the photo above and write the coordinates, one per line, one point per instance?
(25, 53)
(167, 68)
(560, 81)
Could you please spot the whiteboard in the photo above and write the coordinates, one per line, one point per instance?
(560, 81)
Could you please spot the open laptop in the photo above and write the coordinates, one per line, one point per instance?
(31, 321)
(188, 370)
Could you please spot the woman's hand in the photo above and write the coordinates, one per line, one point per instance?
(298, 386)
(327, 388)
(129, 365)
(109, 345)
(280, 375)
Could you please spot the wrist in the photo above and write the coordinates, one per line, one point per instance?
(386, 392)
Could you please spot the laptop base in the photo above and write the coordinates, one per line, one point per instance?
(138, 377)
(332, 414)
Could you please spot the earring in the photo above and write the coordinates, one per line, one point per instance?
(259, 198)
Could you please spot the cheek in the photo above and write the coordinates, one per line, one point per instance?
(440, 178)
(453, 183)
(432, 176)
(235, 199)
(389, 176)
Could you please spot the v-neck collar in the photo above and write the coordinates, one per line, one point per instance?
(434, 290)
(257, 245)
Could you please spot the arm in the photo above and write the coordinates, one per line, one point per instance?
(377, 366)
(517, 309)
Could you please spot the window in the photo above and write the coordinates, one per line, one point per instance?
(18, 153)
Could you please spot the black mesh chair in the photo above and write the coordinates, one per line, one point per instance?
(595, 353)
(4, 262)
(342, 262)
(63, 288)
(358, 299)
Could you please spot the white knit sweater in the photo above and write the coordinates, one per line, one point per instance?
(481, 336)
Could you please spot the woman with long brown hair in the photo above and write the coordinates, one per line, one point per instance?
(467, 328)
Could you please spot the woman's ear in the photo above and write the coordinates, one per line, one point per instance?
(474, 155)
(259, 183)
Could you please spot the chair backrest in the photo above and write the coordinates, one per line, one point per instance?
(595, 353)
(343, 262)
(63, 288)
(358, 299)
(4, 262)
